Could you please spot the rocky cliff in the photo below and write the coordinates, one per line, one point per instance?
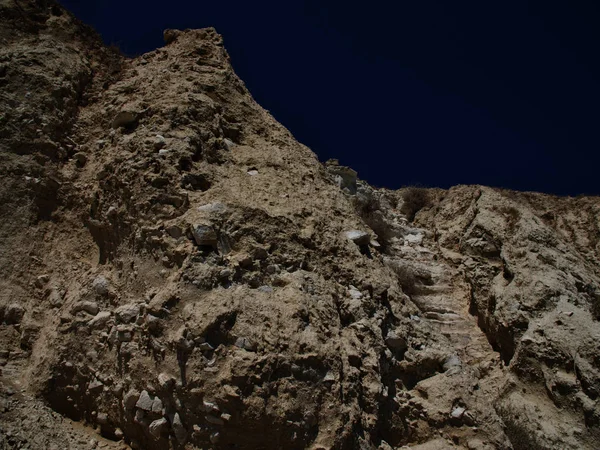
(178, 272)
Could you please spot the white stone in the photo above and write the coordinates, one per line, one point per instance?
(358, 237)
(457, 412)
(414, 238)
(213, 207)
(159, 142)
(355, 293)
(452, 361)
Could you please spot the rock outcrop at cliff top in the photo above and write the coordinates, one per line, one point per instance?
(178, 272)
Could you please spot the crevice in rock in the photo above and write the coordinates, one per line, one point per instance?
(218, 333)
(500, 338)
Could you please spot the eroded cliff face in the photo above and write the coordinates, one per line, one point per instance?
(179, 272)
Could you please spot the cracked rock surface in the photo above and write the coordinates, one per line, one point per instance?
(177, 271)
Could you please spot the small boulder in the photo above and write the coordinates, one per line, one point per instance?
(124, 333)
(395, 342)
(154, 323)
(95, 386)
(246, 344)
(451, 362)
(206, 347)
(174, 231)
(127, 313)
(457, 412)
(42, 280)
(140, 418)
(354, 293)
(87, 306)
(229, 145)
(272, 269)
(166, 381)
(124, 119)
(144, 402)
(159, 142)
(13, 313)
(99, 320)
(157, 405)
(179, 429)
(157, 427)
(209, 407)
(55, 298)
(131, 398)
(80, 159)
(100, 285)
(329, 377)
(204, 235)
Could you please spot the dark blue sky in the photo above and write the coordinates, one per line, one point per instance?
(424, 92)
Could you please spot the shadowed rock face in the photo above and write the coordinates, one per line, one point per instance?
(179, 272)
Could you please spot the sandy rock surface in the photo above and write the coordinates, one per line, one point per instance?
(178, 272)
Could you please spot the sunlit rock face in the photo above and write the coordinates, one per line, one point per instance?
(179, 272)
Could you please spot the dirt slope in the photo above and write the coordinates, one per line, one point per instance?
(178, 272)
